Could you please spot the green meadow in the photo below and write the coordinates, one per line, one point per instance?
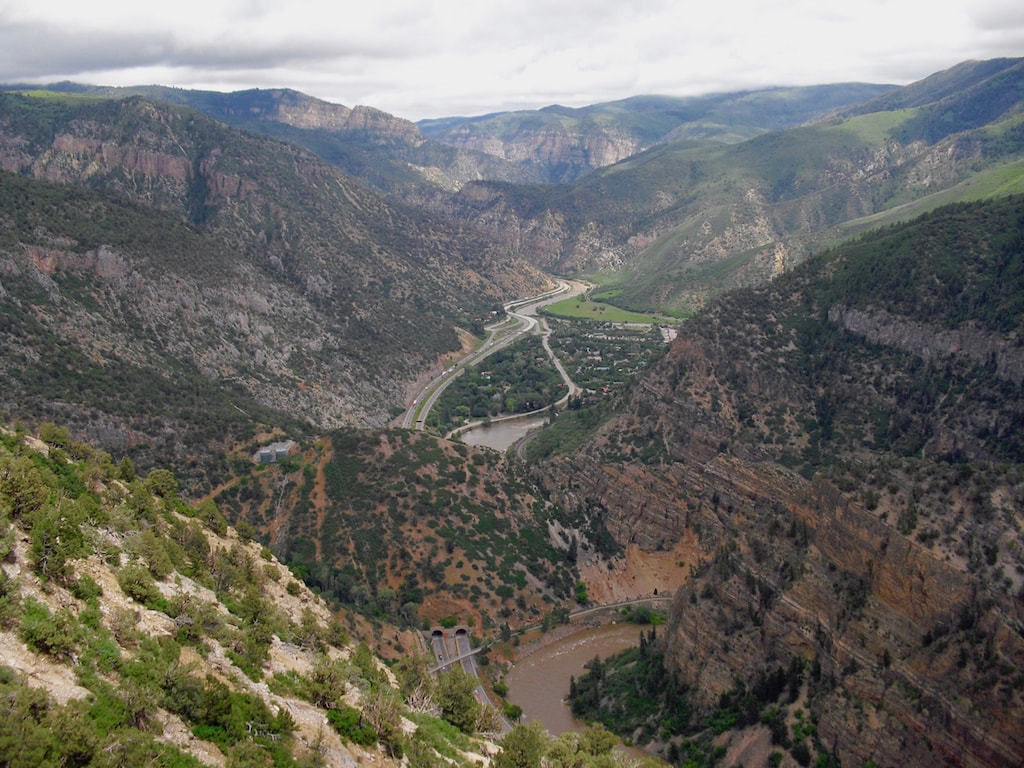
(580, 308)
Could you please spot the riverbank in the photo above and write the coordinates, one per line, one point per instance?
(537, 640)
(539, 681)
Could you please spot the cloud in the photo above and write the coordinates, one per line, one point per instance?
(426, 59)
(998, 16)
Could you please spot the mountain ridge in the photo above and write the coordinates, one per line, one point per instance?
(673, 225)
(386, 151)
(275, 273)
(574, 142)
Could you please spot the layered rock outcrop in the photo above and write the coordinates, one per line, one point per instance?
(908, 659)
(558, 153)
(931, 344)
(847, 469)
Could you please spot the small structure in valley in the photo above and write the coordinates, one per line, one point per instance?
(269, 454)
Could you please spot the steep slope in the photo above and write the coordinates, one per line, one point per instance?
(679, 223)
(843, 446)
(137, 629)
(167, 244)
(561, 144)
(969, 79)
(410, 528)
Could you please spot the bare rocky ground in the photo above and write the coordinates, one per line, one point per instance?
(640, 574)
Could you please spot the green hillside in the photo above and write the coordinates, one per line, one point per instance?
(653, 119)
(686, 222)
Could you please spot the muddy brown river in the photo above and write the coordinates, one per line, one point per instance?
(540, 682)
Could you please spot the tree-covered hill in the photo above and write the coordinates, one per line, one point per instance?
(410, 529)
(139, 629)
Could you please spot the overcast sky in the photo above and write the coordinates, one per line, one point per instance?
(432, 58)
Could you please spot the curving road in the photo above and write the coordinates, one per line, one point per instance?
(521, 319)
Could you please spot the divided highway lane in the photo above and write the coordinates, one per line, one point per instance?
(520, 320)
(440, 647)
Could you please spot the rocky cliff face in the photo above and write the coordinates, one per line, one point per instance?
(897, 640)
(836, 446)
(910, 658)
(935, 344)
(556, 153)
(315, 115)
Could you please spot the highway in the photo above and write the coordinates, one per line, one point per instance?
(520, 319)
(440, 647)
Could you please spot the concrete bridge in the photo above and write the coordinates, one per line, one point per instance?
(451, 646)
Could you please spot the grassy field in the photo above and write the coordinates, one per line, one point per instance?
(582, 309)
(1000, 181)
(876, 127)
